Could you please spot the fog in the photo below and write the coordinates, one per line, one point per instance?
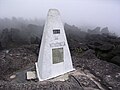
(83, 13)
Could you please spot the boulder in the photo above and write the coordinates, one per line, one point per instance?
(89, 54)
(116, 50)
(116, 60)
(106, 47)
(105, 30)
(94, 31)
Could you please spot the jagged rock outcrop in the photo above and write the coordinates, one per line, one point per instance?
(116, 60)
(94, 31)
(105, 30)
(5, 38)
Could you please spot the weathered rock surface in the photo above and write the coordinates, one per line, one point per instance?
(108, 73)
(97, 74)
(105, 30)
(15, 59)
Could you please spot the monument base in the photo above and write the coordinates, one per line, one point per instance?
(61, 77)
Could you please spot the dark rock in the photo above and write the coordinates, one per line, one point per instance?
(89, 54)
(15, 59)
(108, 73)
(5, 39)
(116, 60)
(105, 30)
(105, 56)
(15, 35)
(94, 31)
(106, 47)
(116, 51)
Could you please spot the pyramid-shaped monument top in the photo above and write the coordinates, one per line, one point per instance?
(54, 56)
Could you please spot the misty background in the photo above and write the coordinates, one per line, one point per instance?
(89, 26)
(85, 14)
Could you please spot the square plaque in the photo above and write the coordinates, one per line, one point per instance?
(57, 55)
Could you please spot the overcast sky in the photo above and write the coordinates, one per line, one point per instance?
(78, 12)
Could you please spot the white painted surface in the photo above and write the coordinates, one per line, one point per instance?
(13, 76)
(31, 75)
(45, 68)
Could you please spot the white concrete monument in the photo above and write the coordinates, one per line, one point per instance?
(54, 56)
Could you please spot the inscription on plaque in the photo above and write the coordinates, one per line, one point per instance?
(57, 55)
(56, 37)
(56, 31)
(57, 44)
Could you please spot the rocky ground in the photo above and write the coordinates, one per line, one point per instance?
(95, 55)
(107, 73)
(94, 74)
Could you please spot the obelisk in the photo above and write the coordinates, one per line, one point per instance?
(54, 55)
